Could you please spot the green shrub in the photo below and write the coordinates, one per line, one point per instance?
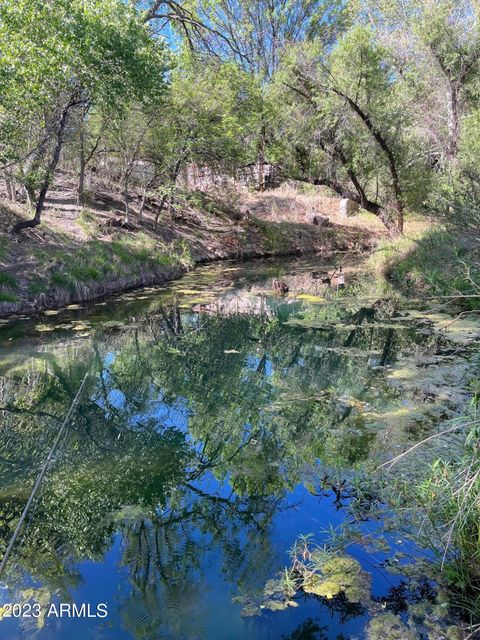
(456, 200)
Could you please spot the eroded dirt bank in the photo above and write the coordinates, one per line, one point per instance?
(86, 253)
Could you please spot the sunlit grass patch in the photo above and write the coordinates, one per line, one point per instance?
(88, 222)
(430, 260)
(96, 260)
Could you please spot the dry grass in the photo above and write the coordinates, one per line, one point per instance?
(292, 202)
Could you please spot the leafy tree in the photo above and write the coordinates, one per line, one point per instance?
(58, 58)
(437, 44)
(435, 47)
(210, 117)
(358, 140)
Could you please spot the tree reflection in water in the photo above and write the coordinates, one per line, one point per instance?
(193, 432)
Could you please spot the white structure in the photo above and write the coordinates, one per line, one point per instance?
(348, 207)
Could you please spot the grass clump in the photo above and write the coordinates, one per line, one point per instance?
(3, 248)
(84, 273)
(442, 505)
(7, 280)
(8, 297)
(61, 279)
(8, 285)
(433, 262)
(450, 499)
(36, 286)
(87, 220)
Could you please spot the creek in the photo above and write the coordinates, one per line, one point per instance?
(218, 423)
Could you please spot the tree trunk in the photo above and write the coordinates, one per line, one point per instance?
(126, 199)
(159, 211)
(392, 163)
(81, 173)
(148, 185)
(48, 176)
(362, 200)
(142, 206)
(31, 196)
(261, 161)
(453, 123)
(398, 207)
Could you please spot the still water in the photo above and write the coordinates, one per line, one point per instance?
(218, 423)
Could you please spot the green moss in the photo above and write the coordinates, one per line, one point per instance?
(454, 633)
(275, 605)
(251, 610)
(320, 587)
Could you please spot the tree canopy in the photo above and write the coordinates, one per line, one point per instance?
(374, 100)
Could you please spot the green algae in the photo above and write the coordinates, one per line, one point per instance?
(337, 575)
(309, 297)
(389, 627)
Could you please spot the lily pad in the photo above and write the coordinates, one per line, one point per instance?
(80, 327)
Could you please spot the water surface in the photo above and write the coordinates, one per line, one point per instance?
(219, 422)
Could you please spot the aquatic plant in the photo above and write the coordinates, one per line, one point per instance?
(441, 508)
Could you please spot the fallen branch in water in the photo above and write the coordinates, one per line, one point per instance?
(460, 315)
(393, 461)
